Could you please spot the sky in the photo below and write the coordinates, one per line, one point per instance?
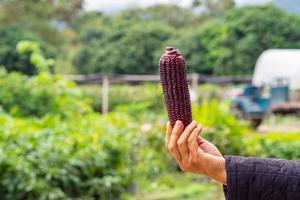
(115, 5)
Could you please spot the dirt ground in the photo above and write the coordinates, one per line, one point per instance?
(280, 124)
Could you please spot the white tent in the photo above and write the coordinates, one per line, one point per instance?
(277, 64)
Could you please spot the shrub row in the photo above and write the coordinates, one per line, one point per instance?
(39, 95)
(90, 157)
(53, 146)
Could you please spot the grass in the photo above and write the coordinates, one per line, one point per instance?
(281, 123)
(148, 94)
(178, 186)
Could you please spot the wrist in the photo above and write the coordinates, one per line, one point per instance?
(221, 174)
(217, 169)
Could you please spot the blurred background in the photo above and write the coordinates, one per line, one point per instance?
(82, 114)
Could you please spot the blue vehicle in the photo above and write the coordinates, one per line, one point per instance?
(279, 69)
(253, 106)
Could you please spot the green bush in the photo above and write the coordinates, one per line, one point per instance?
(138, 98)
(148, 96)
(70, 152)
(90, 157)
(275, 145)
(40, 95)
(67, 151)
(221, 127)
(235, 137)
(79, 158)
(10, 59)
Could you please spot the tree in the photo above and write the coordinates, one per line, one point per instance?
(50, 21)
(9, 57)
(62, 10)
(171, 15)
(46, 18)
(188, 42)
(232, 45)
(214, 8)
(122, 49)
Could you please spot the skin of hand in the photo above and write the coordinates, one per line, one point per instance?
(193, 153)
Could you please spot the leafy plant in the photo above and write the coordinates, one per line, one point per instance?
(36, 58)
(221, 127)
(10, 59)
(275, 145)
(40, 95)
(53, 159)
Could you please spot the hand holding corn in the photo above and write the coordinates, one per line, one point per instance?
(193, 153)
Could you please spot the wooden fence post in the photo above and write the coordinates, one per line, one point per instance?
(194, 95)
(105, 94)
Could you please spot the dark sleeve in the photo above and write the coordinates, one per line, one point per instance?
(267, 179)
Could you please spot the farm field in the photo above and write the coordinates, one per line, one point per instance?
(101, 135)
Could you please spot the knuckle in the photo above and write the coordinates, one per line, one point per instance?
(193, 124)
(199, 130)
(190, 140)
(190, 129)
(180, 142)
(173, 149)
(176, 132)
(173, 152)
(201, 127)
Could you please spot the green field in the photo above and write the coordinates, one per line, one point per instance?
(178, 186)
(57, 145)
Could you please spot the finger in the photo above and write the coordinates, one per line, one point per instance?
(192, 141)
(172, 146)
(199, 139)
(208, 147)
(182, 141)
(168, 134)
(205, 146)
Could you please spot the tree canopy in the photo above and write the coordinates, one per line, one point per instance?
(10, 58)
(226, 46)
(214, 36)
(122, 50)
(232, 45)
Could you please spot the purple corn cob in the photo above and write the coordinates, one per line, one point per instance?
(175, 86)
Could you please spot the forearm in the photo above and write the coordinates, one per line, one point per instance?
(253, 178)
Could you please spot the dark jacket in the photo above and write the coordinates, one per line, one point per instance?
(262, 179)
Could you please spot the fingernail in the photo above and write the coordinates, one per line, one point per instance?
(177, 124)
